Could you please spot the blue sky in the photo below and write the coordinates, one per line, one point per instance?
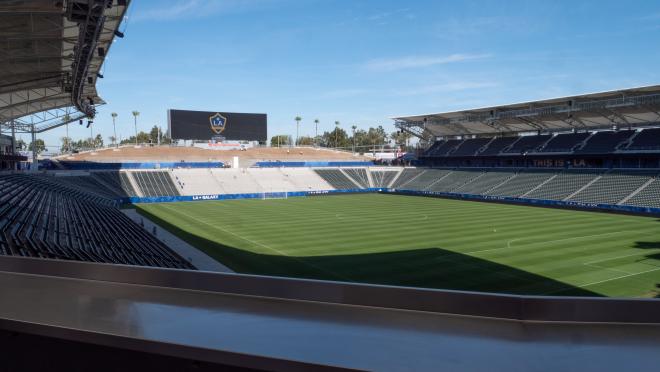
(361, 62)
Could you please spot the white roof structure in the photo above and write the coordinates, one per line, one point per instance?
(633, 107)
(51, 53)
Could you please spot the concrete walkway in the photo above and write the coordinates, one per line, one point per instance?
(196, 257)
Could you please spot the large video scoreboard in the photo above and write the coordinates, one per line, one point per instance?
(205, 125)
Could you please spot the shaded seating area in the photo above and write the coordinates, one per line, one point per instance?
(336, 179)
(443, 148)
(470, 147)
(359, 175)
(528, 143)
(564, 142)
(646, 140)
(605, 142)
(43, 218)
(407, 174)
(118, 181)
(382, 178)
(498, 144)
(157, 183)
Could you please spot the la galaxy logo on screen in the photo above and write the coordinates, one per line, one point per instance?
(218, 123)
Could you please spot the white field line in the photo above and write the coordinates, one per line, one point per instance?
(614, 258)
(607, 268)
(256, 243)
(508, 244)
(611, 279)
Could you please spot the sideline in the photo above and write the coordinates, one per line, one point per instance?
(193, 255)
(258, 243)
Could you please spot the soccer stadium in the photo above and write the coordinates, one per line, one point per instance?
(519, 236)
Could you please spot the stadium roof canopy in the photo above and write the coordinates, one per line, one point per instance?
(628, 108)
(51, 53)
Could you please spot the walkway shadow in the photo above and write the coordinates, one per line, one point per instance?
(428, 268)
(647, 245)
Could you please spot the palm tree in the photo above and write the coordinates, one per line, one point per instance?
(354, 127)
(297, 119)
(135, 115)
(336, 133)
(66, 119)
(114, 128)
(316, 137)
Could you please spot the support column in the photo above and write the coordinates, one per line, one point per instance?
(35, 163)
(13, 144)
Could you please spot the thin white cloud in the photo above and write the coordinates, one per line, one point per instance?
(343, 93)
(410, 62)
(192, 9)
(380, 16)
(650, 17)
(453, 86)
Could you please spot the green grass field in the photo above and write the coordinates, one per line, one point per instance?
(426, 242)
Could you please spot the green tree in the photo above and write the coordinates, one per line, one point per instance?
(155, 134)
(37, 146)
(305, 141)
(66, 144)
(336, 138)
(377, 136)
(135, 115)
(165, 138)
(316, 131)
(142, 137)
(401, 138)
(98, 141)
(279, 141)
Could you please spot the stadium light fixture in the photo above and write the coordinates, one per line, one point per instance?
(119, 34)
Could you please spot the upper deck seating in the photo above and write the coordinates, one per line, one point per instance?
(527, 143)
(498, 144)
(604, 142)
(646, 140)
(469, 147)
(564, 142)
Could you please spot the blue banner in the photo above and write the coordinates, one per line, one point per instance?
(267, 195)
(87, 165)
(290, 194)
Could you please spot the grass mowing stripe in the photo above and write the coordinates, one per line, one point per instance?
(252, 241)
(417, 241)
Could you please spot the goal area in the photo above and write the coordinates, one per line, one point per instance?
(275, 195)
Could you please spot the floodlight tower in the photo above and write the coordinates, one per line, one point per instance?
(297, 119)
(114, 128)
(354, 127)
(135, 115)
